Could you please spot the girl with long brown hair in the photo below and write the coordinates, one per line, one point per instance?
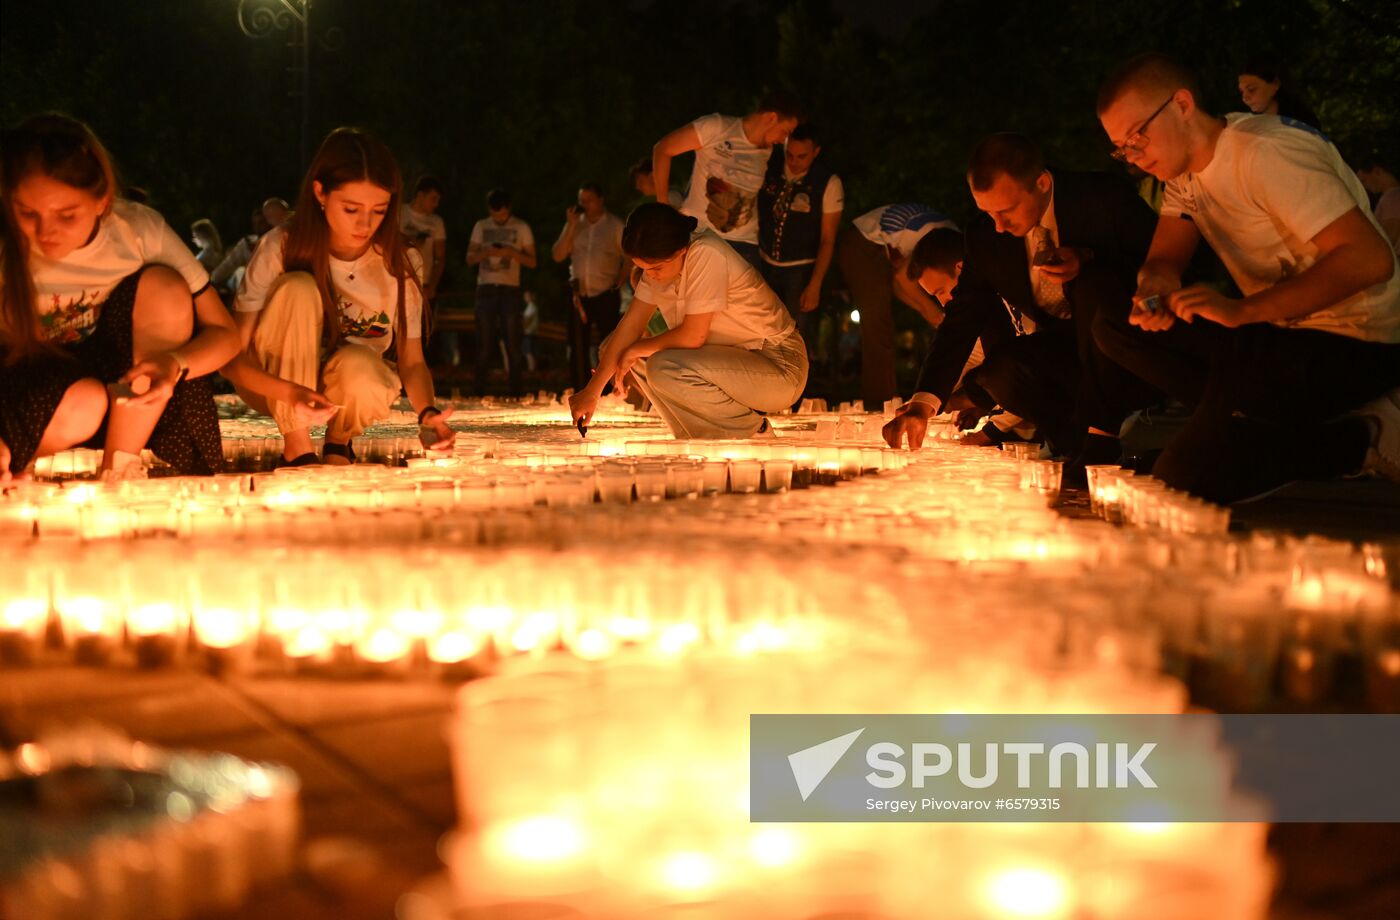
(337, 280)
(100, 291)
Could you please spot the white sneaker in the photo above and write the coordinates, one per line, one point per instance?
(1383, 414)
(125, 467)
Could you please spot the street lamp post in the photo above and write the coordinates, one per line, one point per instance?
(260, 18)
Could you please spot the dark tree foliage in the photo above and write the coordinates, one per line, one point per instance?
(540, 95)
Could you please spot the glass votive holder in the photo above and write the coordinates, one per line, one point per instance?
(744, 475)
(614, 481)
(684, 479)
(1047, 475)
(714, 475)
(777, 475)
(89, 609)
(651, 482)
(24, 611)
(1097, 474)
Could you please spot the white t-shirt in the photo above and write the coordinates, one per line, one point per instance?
(498, 269)
(596, 259)
(1271, 186)
(729, 171)
(900, 225)
(367, 294)
(716, 279)
(72, 290)
(423, 230)
(833, 202)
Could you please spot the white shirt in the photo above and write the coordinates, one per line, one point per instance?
(833, 202)
(716, 279)
(366, 293)
(900, 226)
(1270, 187)
(424, 230)
(729, 171)
(596, 258)
(70, 291)
(499, 269)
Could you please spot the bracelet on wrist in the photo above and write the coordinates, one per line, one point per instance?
(424, 415)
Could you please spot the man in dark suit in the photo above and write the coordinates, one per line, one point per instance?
(1048, 252)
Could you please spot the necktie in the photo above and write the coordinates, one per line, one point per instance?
(1049, 294)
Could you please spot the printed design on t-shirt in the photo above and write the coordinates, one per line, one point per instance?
(67, 322)
(727, 207)
(506, 236)
(360, 326)
(899, 217)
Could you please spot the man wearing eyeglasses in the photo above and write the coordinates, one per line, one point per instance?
(1058, 248)
(1281, 378)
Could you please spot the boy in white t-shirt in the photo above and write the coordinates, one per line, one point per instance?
(872, 254)
(1273, 375)
(500, 244)
(731, 158)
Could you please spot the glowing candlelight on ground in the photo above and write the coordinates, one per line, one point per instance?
(1033, 893)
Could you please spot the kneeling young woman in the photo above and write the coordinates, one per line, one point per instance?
(731, 352)
(339, 275)
(99, 291)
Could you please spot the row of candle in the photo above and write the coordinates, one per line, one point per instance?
(116, 830)
(620, 789)
(1240, 639)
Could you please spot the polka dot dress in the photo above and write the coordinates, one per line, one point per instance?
(187, 435)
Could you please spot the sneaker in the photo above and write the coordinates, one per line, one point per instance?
(125, 467)
(1383, 415)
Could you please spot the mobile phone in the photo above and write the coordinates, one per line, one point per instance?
(1152, 304)
(1047, 257)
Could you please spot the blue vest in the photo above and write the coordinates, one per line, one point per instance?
(790, 213)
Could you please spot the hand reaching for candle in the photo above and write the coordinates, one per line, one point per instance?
(311, 407)
(581, 406)
(437, 424)
(910, 422)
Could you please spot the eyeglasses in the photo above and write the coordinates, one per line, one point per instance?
(1136, 141)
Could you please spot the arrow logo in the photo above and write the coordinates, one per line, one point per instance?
(811, 765)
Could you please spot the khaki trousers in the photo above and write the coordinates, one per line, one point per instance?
(287, 344)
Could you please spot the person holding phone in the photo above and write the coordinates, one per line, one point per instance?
(1299, 378)
(500, 245)
(1058, 248)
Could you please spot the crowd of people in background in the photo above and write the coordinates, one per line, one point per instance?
(1248, 279)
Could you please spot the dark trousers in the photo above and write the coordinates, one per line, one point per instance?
(500, 311)
(870, 278)
(788, 282)
(1269, 402)
(1059, 378)
(603, 315)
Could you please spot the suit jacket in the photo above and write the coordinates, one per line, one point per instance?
(1097, 213)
